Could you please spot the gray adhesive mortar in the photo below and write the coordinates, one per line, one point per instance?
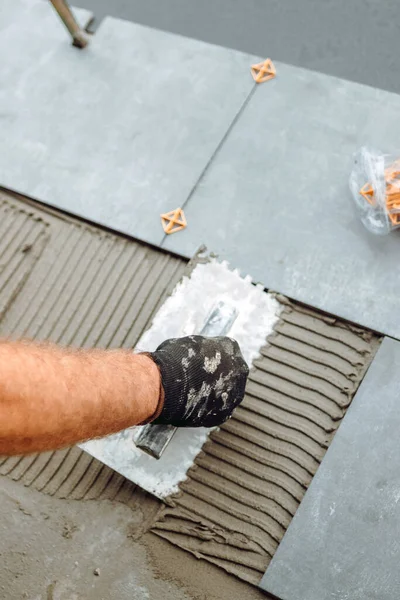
(92, 288)
(250, 478)
(23, 235)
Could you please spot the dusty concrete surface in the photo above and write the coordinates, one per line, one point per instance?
(52, 549)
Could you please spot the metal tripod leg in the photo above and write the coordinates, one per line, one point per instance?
(80, 39)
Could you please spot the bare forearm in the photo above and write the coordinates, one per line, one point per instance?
(52, 397)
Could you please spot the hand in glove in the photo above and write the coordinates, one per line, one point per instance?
(203, 380)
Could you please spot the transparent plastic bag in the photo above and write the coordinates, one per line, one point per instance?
(375, 185)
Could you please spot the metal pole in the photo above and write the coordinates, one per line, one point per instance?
(80, 39)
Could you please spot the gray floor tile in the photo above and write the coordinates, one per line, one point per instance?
(121, 131)
(276, 203)
(356, 40)
(344, 539)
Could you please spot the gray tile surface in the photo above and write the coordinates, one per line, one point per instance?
(276, 202)
(356, 40)
(344, 540)
(117, 133)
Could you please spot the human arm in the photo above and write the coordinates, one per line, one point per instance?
(51, 397)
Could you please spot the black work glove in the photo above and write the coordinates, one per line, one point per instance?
(203, 380)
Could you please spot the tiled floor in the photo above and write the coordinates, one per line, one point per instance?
(119, 132)
(276, 203)
(159, 121)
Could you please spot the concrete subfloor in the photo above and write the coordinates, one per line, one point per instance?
(355, 40)
(52, 549)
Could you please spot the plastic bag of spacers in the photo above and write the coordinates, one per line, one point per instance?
(375, 185)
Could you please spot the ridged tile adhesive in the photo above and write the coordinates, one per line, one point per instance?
(250, 478)
(23, 236)
(86, 287)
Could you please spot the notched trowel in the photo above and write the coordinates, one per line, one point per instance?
(153, 439)
(212, 300)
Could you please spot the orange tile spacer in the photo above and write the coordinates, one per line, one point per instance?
(367, 192)
(263, 71)
(173, 221)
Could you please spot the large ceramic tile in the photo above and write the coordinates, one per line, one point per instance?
(333, 36)
(275, 200)
(344, 539)
(119, 132)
